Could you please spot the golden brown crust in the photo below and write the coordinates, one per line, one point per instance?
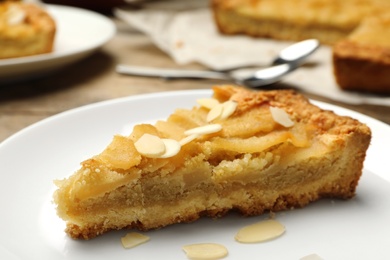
(25, 29)
(207, 179)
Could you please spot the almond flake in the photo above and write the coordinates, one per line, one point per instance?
(215, 113)
(260, 232)
(172, 147)
(133, 239)
(150, 146)
(15, 15)
(205, 251)
(281, 117)
(207, 102)
(188, 139)
(228, 109)
(311, 257)
(204, 130)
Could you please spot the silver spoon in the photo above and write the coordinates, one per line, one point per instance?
(288, 60)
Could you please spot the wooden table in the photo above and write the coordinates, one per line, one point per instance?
(94, 79)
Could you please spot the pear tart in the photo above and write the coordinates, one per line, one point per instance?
(241, 150)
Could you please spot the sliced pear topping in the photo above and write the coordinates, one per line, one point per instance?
(121, 153)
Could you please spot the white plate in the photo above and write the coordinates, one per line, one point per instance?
(79, 33)
(52, 149)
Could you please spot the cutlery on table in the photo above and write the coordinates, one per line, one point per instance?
(288, 59)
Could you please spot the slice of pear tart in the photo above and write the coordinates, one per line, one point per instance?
(243, 150)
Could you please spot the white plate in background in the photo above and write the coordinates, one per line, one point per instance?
(53, 148)
(79, 33)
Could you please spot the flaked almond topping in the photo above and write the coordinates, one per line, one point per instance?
(228, 109)
(311, 257)
(15, 15)
(207, 102)
(215, 113)
(205, 251)
(222, 111)
(260, 232)
(133, 239)
(154, 147)
(172, 147)
(281, 117)
(150, 146)
(188, 139)
(203, 130)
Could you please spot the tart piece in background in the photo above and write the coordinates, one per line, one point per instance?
(25, 29)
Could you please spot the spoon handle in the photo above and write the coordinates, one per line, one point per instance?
(170, 73)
